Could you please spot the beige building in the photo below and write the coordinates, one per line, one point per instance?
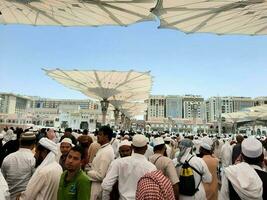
(193, 107)
(215, 106)
(259, 101)
(12, 103)
(156, 108)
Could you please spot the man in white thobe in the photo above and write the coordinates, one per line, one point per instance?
(104, 156)
(244, 180)
(18, 167)
(45, 181)
(128, 171)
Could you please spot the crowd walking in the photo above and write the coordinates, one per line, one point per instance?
(121, 165)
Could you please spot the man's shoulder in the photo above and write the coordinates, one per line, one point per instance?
(83, 178)
(52, 168)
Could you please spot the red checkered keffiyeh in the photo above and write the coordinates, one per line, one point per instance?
(154, 186)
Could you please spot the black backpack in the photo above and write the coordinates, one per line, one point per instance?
(187, 180)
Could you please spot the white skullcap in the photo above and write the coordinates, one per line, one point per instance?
(124, 143)
(139, 140)
(206, 143)
(158, 141)
(126, 137)
(67, 140)
(205, 146)
(251, 147)
(167, 139)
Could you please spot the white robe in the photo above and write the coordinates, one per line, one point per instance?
(44, 185)
(202, 167)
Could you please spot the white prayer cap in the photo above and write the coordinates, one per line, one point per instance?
(126, 137)
(124, 143)
(139, 140)
(167, 139)
(206, 143)
(158, 141)
(67, 140)
(205, 146)
(49, 144)
(251, 147)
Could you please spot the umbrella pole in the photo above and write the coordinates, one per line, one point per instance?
(104, 107)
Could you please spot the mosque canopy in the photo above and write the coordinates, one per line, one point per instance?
(117, 86)
(75, 12)
(221, 17)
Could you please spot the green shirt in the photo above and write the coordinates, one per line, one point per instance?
(79, 188)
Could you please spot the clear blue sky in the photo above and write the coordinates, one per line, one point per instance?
(204, 64)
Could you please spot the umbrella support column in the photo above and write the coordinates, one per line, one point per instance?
(122, 121)
(104, 108)
(116, 116)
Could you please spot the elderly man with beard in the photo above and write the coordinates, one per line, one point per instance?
(43, 185)
(74, 183)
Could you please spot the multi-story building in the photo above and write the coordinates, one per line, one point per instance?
(259, 101)
(17, 110)
(174, 106)
(215, 106)
(156, 108)
(193, 107)
(13, 103)
(38, 102)
(240, 103)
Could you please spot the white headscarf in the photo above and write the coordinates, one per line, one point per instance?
(51, 156)
(245, 181)
(9, 136)
(185, 147)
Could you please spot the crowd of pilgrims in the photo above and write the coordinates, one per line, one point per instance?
(48, 165)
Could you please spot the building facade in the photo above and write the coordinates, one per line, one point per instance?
(259, 101)
(215, 106)
(12, 103)
(193, 107)
(18, 110)
(156, 108)
(174, 106)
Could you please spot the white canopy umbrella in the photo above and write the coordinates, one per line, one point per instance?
(220, 16)
(75, 12)
(262, 108)
(119, 101)
(106, 85)
(235, 116)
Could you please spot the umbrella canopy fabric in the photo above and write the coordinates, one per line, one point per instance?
(234, 117)
(262, 108)
(247, 115)
(221, 16)
(103, 84)
(75, 12)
